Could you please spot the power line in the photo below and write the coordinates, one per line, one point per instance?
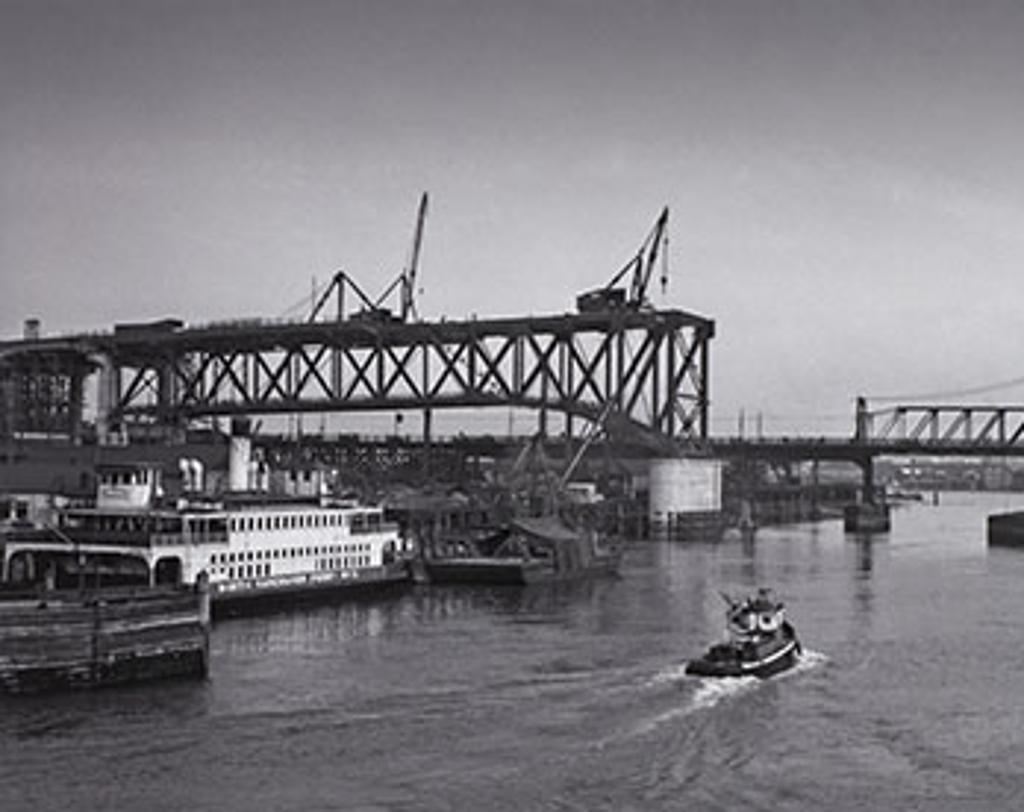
(956, 393)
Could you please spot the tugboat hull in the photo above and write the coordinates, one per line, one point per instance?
(727, 661)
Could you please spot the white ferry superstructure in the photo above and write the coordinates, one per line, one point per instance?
(256, 549)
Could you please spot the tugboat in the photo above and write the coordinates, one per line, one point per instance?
(761, 642)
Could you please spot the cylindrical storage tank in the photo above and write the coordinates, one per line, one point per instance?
(685, 496)
(239, 455)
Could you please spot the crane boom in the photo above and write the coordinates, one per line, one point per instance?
(409, 278)
(614, 296)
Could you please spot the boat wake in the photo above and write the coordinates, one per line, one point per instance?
(713, 690)
(710, 691)
(671, 674)
(809, 660)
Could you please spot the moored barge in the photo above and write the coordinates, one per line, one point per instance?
(526, 551)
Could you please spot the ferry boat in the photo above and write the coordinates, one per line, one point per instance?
(256, 549)
(760, 641)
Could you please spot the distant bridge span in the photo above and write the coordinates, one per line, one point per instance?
(897, 430)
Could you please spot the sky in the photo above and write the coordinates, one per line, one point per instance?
(845, 177)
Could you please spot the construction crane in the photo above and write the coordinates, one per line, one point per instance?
(614, 295)
(408, 294)
(373, 310)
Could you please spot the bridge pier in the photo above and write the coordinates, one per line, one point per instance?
(108, 394)
(869, 514)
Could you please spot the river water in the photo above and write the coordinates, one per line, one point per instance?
(910, 694)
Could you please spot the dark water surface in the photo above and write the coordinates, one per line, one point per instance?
(910, 696)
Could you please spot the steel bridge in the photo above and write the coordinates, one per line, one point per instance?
(647, 368)
(971, 430)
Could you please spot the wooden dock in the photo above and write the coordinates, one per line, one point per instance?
(63, 640)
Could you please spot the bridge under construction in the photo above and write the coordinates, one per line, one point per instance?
(617, 363)
(616, 366)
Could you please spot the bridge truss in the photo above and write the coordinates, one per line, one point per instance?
(970, 429)
(651, 367)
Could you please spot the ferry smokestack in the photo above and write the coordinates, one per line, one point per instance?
(197, 474)
(239, 454)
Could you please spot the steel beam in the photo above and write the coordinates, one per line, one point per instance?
(651, 365)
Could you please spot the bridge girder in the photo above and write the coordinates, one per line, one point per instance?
(983, 428)
(41, 391)
(651, 367)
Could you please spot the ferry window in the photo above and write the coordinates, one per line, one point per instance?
(231, 572)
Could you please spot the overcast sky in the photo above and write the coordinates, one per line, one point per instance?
(846, 179)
